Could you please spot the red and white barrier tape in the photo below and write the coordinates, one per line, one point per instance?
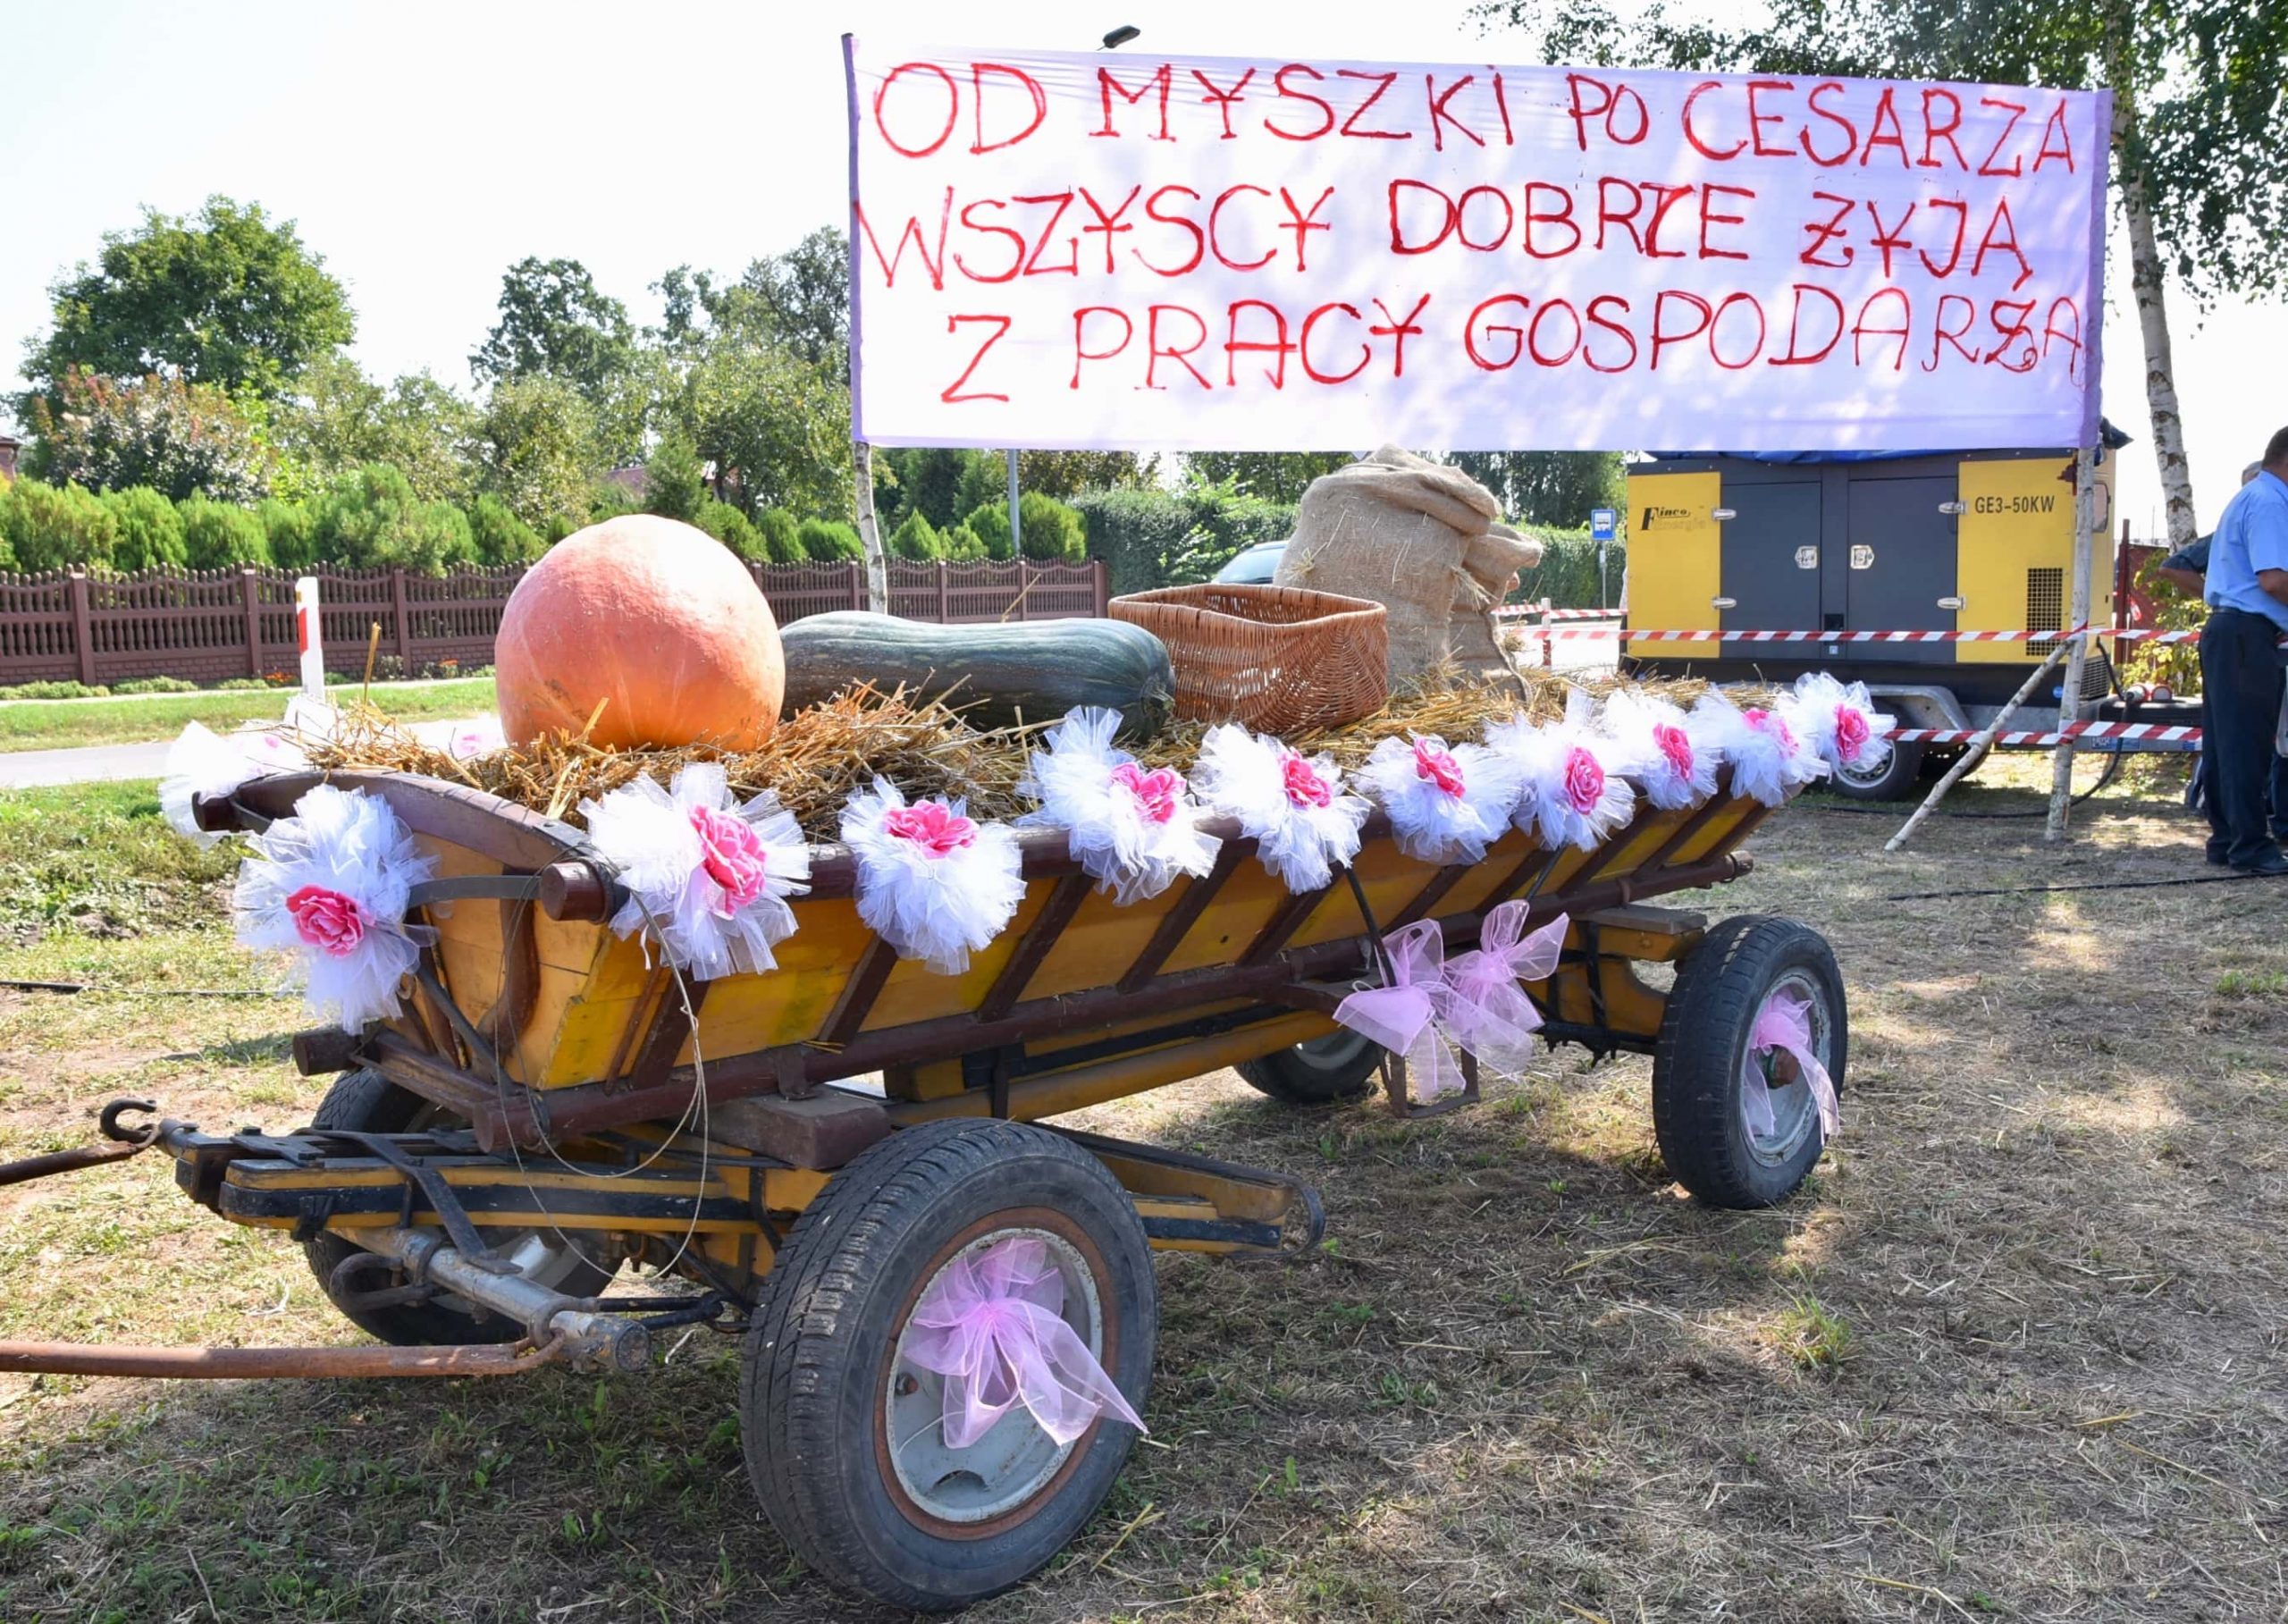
(2153, 732)
(2132, 635)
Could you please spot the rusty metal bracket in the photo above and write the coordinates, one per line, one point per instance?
(121, 1143)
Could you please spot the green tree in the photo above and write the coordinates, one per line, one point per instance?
(225, 298)
(337, 419)
(219, 536)
(781, 542)
(147, 531)
(371, 519)
(988, 522)
(731, 527)
(963, 545)
(290, 532)
(776, 427)
(1279, 476)
(2199, 135)
(556, 323)
(179, 438)
(827, 539)
(499, 535)
(537, 442)
(1064, 475)
(674, 482)
(1547, 487)
(915, 538)
(804, 295)
(1051, 532)
(56, 527)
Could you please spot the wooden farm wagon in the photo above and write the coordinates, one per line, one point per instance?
(813, 1146)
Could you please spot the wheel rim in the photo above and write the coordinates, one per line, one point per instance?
(1339, 1048)
(1794, 1114)
(1015, 1460)
(1859, 774)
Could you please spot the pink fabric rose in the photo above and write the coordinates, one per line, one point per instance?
(933, 826)
(1302, 782)
(1851, 731)
(1585, 780)
(1676, 744)
(732, 853)
(1155, 792)
(1435, 766)
(327, 920)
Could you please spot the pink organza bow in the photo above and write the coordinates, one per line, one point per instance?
(1785, 1023)
(1154, 792)
(1488, 1013)
(1403, 1016)
(933, 826)
(992, 1327)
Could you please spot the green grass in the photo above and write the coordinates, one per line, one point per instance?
(41, 724)
(99, 858)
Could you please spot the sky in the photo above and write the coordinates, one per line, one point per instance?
(424, 147)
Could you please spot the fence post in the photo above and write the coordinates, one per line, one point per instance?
(404, 632)
(1024, 590)
(1100, 582)
(83, 626)
(945, 598)
(250, 588)
(854, 575)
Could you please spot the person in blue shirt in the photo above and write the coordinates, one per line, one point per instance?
(2184, 569)
(2241, 674)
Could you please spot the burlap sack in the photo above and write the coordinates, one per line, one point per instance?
(1419, 538)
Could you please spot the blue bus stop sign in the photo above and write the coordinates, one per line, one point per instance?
(1603, 523)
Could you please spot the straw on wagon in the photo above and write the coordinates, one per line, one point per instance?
(819, 755)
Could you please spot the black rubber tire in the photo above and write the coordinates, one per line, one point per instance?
(1895, 782)
(1720, 990)
(367, 1102)
(823, 1334)
(1320, 1073)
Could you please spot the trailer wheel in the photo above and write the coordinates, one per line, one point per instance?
(1894, 780)
(367, 1102)
(1321, 1072)
(1699, 1113)
(842, 1430)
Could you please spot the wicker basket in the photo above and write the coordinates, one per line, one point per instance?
(1279, 658)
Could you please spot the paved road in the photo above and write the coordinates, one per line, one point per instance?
(107, 763)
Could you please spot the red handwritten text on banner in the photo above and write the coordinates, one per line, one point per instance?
(1201, 253)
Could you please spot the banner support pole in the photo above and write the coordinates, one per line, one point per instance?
(2069, 701)
(869, 530)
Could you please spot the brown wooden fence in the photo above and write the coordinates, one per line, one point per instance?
(204, 626)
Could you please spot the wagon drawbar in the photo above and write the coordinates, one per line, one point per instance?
(816, 1149)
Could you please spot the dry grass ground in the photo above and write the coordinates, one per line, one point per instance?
(2015, 1353)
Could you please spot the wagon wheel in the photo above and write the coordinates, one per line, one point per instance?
(1718, 1147)
(1320, 1072)
(367, 1102)
(843, 1430)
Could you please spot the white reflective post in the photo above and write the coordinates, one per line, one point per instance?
(307, 638)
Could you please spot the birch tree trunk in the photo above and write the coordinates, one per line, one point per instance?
(869, 533)
(2152, 318)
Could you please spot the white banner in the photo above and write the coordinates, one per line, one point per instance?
(1209, 253)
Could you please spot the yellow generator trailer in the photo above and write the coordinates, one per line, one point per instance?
(1962, 542)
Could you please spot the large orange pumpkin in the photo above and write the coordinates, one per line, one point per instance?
(655, 619)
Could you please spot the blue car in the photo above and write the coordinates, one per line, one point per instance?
(1253, 567)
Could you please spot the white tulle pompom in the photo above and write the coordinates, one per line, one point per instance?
(1304, 826)
(710, 876)
(1839, 723)
(931, 883)
(1445, 806)
(1661, 751)
(330, 885)
(200, 764)
(1130, 830)
(1570, 791)
(1769, 762)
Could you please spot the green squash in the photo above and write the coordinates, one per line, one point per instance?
(996, 675)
